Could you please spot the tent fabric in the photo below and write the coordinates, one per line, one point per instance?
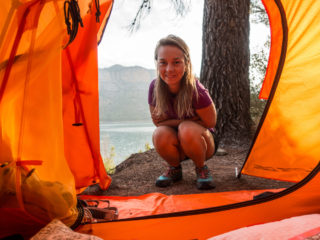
(29, 105)
(46, 93)
(277, 46)
(81, 105)
(157, 203)
(33, 110)
(285, 147)
(287, 143)
(310, 235)
(300, 199)
(286, 229)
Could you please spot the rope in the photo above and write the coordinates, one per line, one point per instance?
(98, 13)
(72, 11)
(78, 221)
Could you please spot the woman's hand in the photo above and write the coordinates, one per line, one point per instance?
(155, 118)
(163, 121)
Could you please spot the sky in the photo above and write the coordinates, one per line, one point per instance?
(119, 46)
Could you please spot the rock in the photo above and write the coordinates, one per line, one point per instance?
(221, 152)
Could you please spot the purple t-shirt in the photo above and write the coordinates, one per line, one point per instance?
(204, 100)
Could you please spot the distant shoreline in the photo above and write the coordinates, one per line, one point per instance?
(126, 121)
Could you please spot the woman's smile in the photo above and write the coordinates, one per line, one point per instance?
(171, 76)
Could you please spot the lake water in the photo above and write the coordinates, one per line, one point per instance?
(125, 137)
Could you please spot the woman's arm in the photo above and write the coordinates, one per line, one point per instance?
(207, 116)
(170, 123)
(160, 121)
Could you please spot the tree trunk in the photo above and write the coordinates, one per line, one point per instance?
(225, 65)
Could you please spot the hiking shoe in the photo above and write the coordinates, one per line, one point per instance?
(173, 174)
(204, 178)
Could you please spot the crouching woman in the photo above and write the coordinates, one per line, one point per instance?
(183, 112)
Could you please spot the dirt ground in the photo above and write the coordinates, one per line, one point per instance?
(137, 174)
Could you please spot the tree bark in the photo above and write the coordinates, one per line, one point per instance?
(225, 65)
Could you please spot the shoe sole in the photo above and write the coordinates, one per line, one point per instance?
(205, 186)
(164, 184)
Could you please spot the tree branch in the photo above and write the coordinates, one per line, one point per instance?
(181, 7)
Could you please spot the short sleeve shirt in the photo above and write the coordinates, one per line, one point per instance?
(204, 100)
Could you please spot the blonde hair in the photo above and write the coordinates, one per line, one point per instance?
(161, 93)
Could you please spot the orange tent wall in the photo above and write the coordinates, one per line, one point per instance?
(287, 144)
(32, 101)
(81, 104)
(31, 104)
(276, 46)
(34, 106)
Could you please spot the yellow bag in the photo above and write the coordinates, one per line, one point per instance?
(42, 199)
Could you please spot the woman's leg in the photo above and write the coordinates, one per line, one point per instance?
(196, 141)
(166, 143)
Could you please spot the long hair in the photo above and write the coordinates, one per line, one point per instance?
(161, 93)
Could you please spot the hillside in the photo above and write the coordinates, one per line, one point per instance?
(123, 93)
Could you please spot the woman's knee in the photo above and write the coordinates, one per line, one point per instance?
(164, 136)
(188, 131)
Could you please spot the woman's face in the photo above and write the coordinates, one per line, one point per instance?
(171, 66)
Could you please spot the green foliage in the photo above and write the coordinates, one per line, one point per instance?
(181, 8)
(258, 61)
(147, 147)
(108, 161)
(258, 13)
(258, 66)
(256, 105)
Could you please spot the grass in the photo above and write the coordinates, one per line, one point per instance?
(108, 161)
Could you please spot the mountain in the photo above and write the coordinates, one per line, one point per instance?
(123, 93)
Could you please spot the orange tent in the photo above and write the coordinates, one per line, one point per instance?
(286, 146)
(49, 122)
(49, 117)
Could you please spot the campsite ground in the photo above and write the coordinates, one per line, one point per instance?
(137, 175)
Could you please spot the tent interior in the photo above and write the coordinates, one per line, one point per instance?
(49, 122)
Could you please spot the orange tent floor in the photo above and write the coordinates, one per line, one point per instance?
(157, 203)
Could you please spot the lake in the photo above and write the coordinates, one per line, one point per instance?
(125, 138)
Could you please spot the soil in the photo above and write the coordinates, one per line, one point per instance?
(137, 174)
